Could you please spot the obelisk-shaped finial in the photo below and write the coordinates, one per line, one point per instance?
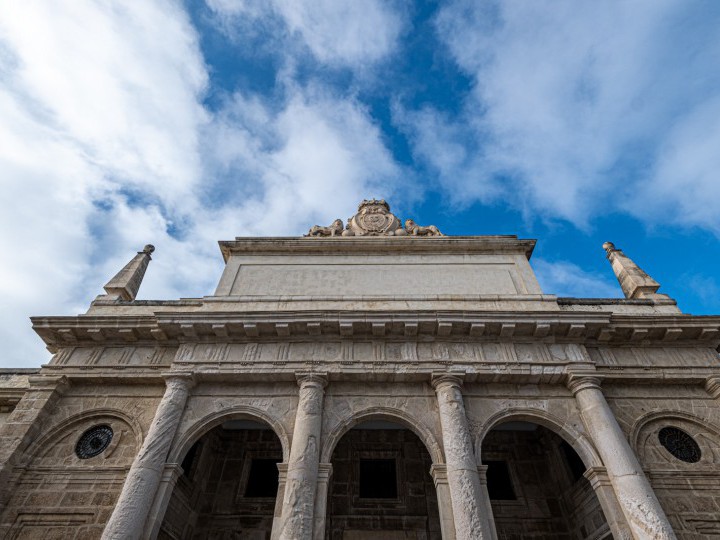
(634, 282)
(127, 281)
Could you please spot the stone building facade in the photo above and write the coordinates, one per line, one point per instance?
(371, 380)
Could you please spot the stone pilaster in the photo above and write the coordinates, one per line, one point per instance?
(324, 475)
(636, 497)
(462, 472)
(142, 482)
(600, 482)
(302, 472)
(23, 426)
(277, 514)
(487, 511)
(168, 481)
(442, 488)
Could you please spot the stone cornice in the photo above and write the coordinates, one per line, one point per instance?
(88, 329)
(590, 328)
(378, 245)
(660, 328)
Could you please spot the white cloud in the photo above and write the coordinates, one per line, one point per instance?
(94, 100)
(563, 278)
(338, 32)
(105, 145)
(686, 173)
(315, 157)
(570, 106)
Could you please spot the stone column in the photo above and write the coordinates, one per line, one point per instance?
(600, 482)
(131, 511)
(442, 488)
(23, 426)
(277, 514)
(487, 513)
(302, 472)
(170, 476)
(462, 470)
(324, 475)
(636, 497)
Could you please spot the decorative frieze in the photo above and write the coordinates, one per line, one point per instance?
(377, 351)
(655, 357)
(99, 357)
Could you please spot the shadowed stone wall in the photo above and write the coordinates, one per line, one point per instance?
(51, 492)
(211, 498)
(413, 514)
(550, 500)
(687, 491)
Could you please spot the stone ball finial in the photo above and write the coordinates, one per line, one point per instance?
(148, 249)
(609, 247)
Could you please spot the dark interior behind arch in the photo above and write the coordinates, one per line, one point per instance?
(536, 485)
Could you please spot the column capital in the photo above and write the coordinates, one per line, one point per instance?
(438, 380)
(597, 476)
(576, 382)
(310, 378)
(438, 471)
(712, 386)
(324, 471)
(172, 471)
(183, 379)
(482, 473)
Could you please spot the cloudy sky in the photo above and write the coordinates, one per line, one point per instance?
(179, 124)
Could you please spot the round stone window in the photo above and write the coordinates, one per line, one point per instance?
(679, 444)
(94, 441)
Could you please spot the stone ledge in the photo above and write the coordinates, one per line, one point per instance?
(595, 328)
(359, 245)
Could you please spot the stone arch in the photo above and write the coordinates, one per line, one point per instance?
(381, 413)
(64, 428)
(579, 442)
(208, 422)
(706, 434)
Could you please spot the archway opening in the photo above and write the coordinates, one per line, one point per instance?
(381, 487)
(228, 485)
(536, 485)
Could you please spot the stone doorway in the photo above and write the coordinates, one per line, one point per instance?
(228, 486)
(536, 486)
(381, 488)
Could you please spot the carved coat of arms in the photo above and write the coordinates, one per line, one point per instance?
(374, 218)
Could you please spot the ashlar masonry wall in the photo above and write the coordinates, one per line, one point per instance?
(52, 493)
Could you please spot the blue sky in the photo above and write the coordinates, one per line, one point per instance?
(182, 123)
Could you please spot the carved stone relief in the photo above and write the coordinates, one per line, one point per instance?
(373, 218)
(378, 351)
(653, 356)
(114, 356)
